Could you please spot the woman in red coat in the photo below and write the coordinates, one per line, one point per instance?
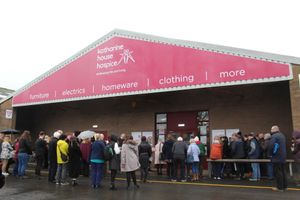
(215, 154)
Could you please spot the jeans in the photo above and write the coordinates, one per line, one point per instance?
(96, 173)
(61, 173)
(270, 170)
(181, 163)
(216, 169)
(23, 161)
(16, 168)
(280, 176)
(195, 168)
(255, 171)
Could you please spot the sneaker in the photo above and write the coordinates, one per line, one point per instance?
(173, 180)
(5, 174)
(253, 179)
(219, 178)
(64, 183)
(277, 190)
(183, 180)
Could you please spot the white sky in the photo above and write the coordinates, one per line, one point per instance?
(36, 35)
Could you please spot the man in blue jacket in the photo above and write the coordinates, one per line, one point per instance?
(277, 151)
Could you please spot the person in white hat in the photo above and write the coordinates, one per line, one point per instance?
(52, 156)
(179, 155)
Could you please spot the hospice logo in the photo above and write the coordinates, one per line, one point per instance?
(109, 57)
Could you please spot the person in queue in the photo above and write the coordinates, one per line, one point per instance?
(129, 160)
(295, 148)
(114, 163)
(254, 153)
(24, 153)
(52, 156)
(40, 151)
(278, 158)
(97, 160)
(145, 152)
(168, 155)
(62, 152)
(179, 151)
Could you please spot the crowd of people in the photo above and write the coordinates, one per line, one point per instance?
(67, 157)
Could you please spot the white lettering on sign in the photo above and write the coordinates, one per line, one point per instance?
(73, 92)
(107, 65)
(232, 73)
(119, 86)
(176, 79)
(39, 96)
(110, 57)
(110, 49)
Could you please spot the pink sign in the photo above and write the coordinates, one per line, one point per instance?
(123, 66)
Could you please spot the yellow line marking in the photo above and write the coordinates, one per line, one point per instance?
(213, 185)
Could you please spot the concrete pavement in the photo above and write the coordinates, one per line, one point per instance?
(33, 188)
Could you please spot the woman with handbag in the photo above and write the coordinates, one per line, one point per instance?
(62, 151)
(159, 157)
(6, 154)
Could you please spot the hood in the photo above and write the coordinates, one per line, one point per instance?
(132, 142)
(296, 134)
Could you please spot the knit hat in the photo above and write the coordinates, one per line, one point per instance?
(56, 134)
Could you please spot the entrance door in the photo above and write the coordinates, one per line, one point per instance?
(183, 124)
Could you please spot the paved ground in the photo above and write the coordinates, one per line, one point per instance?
(32, 188)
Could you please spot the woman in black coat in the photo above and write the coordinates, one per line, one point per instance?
(145, 152)
(74, 160)
(114, 163)
(168, 154)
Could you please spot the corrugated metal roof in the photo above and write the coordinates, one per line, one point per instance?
(157, 39)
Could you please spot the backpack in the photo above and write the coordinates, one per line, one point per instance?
(202, 149)
(108, 152)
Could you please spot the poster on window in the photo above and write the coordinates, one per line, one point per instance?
(229, 132)
(8, 114)
(149, 136)
(217, 132)
(136, 136)
(203, 130)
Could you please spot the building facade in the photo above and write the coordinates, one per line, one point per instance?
(145, 85)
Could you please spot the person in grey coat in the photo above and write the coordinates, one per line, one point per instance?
(179, 151)
(129, 160)
(237, 152)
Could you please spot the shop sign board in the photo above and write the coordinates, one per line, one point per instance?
(123, 66)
